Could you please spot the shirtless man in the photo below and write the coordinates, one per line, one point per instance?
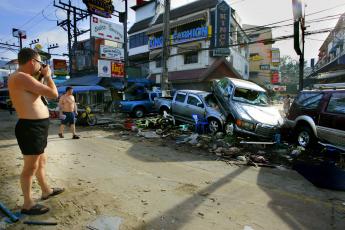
(68, 110)
(32, 127)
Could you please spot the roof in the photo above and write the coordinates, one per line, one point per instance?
(89, 80)
(81, 89)
(245, 84)
(184, 10)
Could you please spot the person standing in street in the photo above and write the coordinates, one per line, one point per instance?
(68, 112)
(286, 104)
(26, 91)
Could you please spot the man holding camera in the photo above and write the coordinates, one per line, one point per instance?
(27, 85)
(68, 112)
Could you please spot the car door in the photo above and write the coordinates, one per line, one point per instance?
(332, 120)
(223, 92)
(194, 106)
(178, 104)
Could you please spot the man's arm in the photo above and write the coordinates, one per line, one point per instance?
(61, 105)
(32, 85)
(75, 107)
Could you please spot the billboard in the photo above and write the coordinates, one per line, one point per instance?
(103, 8)
(110, 52)
(101, 28)
(60, 67)
(107, 68)
(104, 68)
(117, 69)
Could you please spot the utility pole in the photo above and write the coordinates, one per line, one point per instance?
(125, 43)
(34, 42)
(166, 48)
(78, 14)
(301, 58)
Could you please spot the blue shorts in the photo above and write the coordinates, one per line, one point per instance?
(69, 119)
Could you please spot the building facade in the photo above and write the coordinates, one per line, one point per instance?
(206, 42)
(330, 66)
(264, 60)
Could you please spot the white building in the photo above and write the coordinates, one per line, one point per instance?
(207, 42)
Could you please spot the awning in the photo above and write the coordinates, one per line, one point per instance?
(154, 54)
(91, 79)
(81, 89)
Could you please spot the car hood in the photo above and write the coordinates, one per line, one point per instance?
(260, 114)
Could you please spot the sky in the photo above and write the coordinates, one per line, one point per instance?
(38, 19)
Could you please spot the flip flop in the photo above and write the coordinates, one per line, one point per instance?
(37, 209)
(56, 191)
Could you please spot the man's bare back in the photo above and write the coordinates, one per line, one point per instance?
(25, 98)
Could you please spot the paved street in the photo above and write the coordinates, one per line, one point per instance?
(152, 185)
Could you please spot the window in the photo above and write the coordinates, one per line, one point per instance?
(137, 40)
(309, 100)
(191, 57)
(193, 100)
(180, 97)
(337, 103)
(225, 86)
(251, 96)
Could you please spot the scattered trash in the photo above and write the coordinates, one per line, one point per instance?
(105, 222)
(241, 158)
(148, 134)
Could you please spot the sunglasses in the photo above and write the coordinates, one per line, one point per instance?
(41, 63)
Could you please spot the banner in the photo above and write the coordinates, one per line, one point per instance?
(101, 28)
(104, 68)
(275, 55)
(110, 52)
(117, 69)
(60, 67)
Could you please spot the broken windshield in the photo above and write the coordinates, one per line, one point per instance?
(251, 96)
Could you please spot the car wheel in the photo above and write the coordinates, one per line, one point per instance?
(305, 137)
(213, 125)
(164, 109)
(139, 112)
(229, 128)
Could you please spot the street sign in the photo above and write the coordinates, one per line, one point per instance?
(222, 29)
(298, 37)
(19, 33)
(104, 68)
(110, 52)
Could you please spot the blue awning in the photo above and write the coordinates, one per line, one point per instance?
(91, 79)
(81, 89)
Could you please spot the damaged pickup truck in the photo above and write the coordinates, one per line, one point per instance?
(247, 109)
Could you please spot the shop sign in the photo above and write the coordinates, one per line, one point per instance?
(117, 69)
(101, 28)
(181, 37)
(275, 55)
(265, 67)
(104, 68)
(110, 52)
(256, 58)
(60, 67)
(222, 30)
(103, 8)
(275, 78)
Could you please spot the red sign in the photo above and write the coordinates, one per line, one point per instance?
(275, 77)
(117, 69)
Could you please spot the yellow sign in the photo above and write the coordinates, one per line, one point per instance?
(256, 58)
(38, 47)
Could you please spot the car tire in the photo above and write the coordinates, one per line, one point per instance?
(214, 125)
(161, 112)
(305, 136)
(91, 120)
(139, 112)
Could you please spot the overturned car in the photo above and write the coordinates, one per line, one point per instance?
(247, 109)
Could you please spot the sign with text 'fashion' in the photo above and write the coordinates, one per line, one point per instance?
(222, 29)
(193, 34)
(110, 52)
(103, 8)
(101, 28)
(60, 67)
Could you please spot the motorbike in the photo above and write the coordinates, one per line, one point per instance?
(86, 117)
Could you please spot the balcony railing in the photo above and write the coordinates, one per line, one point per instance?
(322, 63)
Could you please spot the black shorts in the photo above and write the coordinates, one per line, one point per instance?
(32, 135)
(69, 119)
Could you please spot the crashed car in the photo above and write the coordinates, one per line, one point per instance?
(247, 109)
